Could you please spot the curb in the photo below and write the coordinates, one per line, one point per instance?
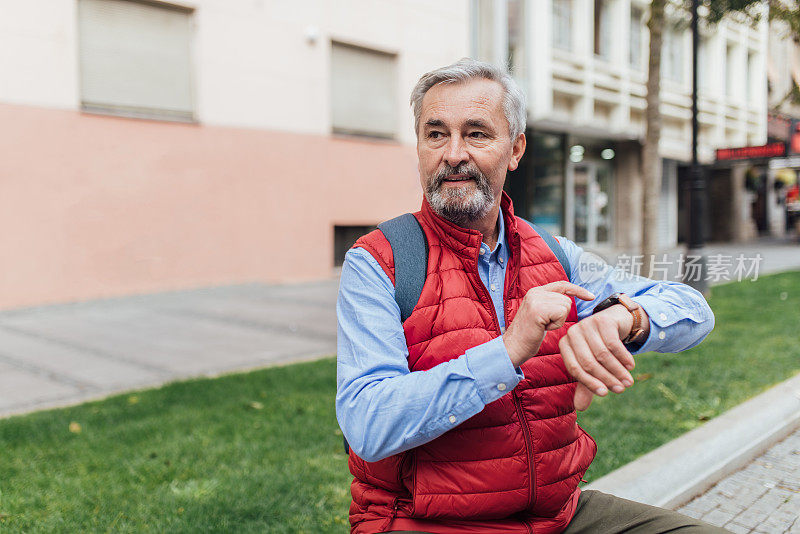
(687, 466)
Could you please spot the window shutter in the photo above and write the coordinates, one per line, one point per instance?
(135, 58)
(363, 89)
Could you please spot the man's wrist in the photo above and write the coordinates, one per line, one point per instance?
(633, 323)
(635, 327)
(622, 317)
(514, 350)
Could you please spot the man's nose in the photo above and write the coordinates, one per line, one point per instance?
(456, 151)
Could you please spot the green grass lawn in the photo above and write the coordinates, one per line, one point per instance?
(261, 452)
(755, 344)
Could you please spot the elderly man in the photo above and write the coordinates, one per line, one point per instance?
(461, 416)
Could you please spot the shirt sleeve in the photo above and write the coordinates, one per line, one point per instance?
(382, 407)
(680, 317)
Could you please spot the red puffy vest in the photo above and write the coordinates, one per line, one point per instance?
(515, 466)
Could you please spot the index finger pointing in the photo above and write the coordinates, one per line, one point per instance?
(568, 288)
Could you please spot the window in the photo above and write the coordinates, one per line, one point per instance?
(635, 45)
(562, 27)
(344, 237)
(703, 65)
(729, 70)
(672, 55)
(484, 29)
(516, 40)
(363, 91)
(750, 77)
(135, 59)
(602, 29)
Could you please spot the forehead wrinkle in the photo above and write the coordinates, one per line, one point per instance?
(440, 104)
(474, 114)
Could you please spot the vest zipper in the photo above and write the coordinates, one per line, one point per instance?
(390, 519)
(529, 450)
(526, 433)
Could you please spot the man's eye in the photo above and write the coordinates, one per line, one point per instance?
(477, 135)
(434, 135)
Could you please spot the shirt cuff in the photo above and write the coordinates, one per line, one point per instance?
(491, 366)
(662, 316)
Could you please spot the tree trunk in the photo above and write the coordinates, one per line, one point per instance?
(651, 162)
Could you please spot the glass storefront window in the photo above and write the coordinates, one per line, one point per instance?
(581, 203)
(602, 203)
(537, 187)
(591, 205)
(569, 196)
(546, 196)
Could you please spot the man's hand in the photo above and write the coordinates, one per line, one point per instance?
(594, 355)
(543, 308)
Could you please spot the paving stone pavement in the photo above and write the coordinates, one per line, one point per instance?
(764, 497)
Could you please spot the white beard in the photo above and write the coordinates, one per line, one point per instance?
(460, 205)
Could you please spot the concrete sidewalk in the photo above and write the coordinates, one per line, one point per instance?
(64, 354)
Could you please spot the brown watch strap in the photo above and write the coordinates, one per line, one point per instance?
(636, 335)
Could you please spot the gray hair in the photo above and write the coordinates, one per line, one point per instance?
(468, 69)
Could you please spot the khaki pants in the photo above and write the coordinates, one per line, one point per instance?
(600, 513)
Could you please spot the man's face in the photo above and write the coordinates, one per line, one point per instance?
(464, 149)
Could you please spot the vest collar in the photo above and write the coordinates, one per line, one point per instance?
(465, 242)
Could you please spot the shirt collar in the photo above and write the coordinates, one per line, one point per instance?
(501, 236)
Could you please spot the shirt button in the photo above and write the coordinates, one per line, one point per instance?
(662, 316)
(500, 260)
(481, 252)
(452, 418)
(501, 387)
(661, 335)
(494, 287)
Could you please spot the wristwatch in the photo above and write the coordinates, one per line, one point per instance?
(636, 338)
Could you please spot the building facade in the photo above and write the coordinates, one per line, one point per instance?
(780, 189)
(153, 145)
(583, 64)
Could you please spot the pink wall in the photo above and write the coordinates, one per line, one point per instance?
(94, 206)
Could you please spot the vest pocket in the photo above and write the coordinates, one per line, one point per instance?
(407, 476)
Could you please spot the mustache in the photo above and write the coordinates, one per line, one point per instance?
(463, 168)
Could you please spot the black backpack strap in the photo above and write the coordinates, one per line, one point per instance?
(555, 246)
(410, 251)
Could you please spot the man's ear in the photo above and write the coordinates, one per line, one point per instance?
(517, 150)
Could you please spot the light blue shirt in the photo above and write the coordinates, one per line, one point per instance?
(383, 408)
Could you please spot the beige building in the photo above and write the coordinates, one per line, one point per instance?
(754, 190)
(156, 145)
(583, 64)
